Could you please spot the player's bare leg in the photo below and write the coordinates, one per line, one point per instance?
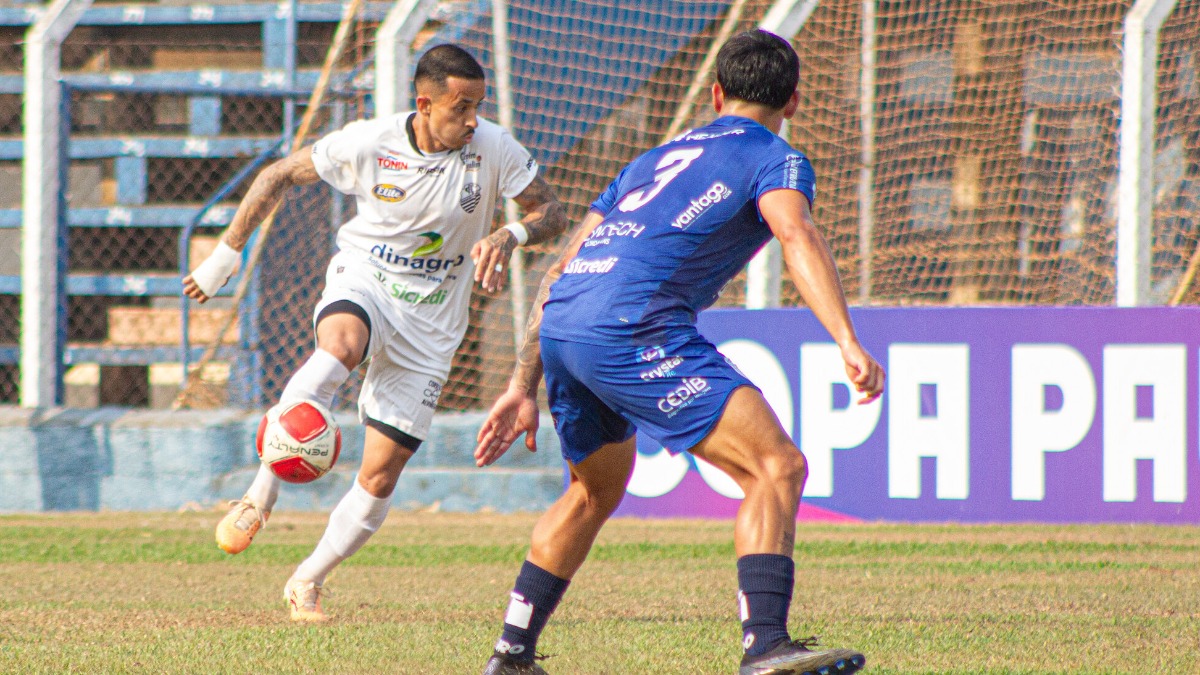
(357, 516)
(341, 339)
(750, 445)
(561, 541)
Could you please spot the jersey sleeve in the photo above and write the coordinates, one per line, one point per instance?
(517, 166)
(787, 171)
(336, 157)
(607, 199)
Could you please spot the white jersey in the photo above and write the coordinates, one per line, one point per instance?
(419, 214)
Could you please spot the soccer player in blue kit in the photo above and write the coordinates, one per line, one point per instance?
(614, 327)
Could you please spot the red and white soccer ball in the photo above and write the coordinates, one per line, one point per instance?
(299, 441)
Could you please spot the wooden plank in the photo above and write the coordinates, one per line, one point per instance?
(161, 326)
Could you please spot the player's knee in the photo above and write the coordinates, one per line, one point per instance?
(343, 350)
(787, 466)
(379, 484)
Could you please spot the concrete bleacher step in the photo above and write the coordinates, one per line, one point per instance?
(163, 326)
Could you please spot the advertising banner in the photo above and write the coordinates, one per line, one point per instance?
(990, 415)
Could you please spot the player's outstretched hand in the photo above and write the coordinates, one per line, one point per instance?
(491, 255)
(513, 414)
(210, 275)
(865, 372)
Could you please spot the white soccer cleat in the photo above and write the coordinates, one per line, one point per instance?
(237, 529)
(304, 600)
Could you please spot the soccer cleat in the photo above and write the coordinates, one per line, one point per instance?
(503, 664)
(237, 529)
(304, 599)
(793, 657)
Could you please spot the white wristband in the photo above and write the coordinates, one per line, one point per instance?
(519, 231)
(216, 269)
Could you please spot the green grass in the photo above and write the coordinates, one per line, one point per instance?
(150, 593)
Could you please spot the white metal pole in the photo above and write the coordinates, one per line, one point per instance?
(504, 104)
(1135, 180)
(42, 343)
(393, 54)
(764, 274)
(866, 175)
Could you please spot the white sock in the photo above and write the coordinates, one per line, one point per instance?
(317, 380)
(351, 524)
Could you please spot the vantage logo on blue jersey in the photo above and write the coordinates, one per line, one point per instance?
(715, 194)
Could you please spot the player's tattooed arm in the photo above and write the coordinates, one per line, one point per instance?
(267, 191)
(544, 220)
(529, 357)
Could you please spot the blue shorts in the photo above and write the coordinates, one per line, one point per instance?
(601, 394)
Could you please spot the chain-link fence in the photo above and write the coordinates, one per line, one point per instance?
(977, 164)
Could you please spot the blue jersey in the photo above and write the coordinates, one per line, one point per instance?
(679, 222)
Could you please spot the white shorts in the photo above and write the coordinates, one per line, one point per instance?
(393, 392)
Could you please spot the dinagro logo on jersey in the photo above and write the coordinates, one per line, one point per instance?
(682, 396)
(421, 259)
(602, 266)
(388, 193)
(716, 193)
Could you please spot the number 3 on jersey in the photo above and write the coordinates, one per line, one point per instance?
(671, 165)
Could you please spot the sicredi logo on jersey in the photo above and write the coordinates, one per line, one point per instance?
(388, 193)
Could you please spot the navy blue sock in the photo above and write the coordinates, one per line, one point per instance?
(764, 594)
(534, 598)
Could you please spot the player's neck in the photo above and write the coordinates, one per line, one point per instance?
(771, 118)
(423, 139)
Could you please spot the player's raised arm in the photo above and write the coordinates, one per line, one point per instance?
(516, 412)
(544, 220)
(815, 274)
(265, 192)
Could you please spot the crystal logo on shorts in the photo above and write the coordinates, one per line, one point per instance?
(602, 266)
(664, 368)
(682, 396)
(715, 194)
(388, 193)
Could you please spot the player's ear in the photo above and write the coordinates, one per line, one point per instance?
(792, 105)
(718, 97)
(424, 103)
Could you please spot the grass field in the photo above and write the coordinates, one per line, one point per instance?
(150, 593)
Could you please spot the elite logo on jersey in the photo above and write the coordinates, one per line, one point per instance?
(391, 164)
(388, 193)
(472, 193)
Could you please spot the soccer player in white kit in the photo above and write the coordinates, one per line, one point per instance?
(397, 291)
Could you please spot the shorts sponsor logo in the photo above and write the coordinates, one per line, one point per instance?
(664, 368)
(433, 391)
(471, 194)
(716, 193)
(415, 262)
(388, 193)
(689, 389)
(602, 266)
(391, 163)
(652, 354)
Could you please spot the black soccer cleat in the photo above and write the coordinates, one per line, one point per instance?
(503, 664)
(794, 657)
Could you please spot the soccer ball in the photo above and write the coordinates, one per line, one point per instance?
(299, 441)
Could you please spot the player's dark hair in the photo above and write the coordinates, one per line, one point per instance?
(758, 67)
(446, 61)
